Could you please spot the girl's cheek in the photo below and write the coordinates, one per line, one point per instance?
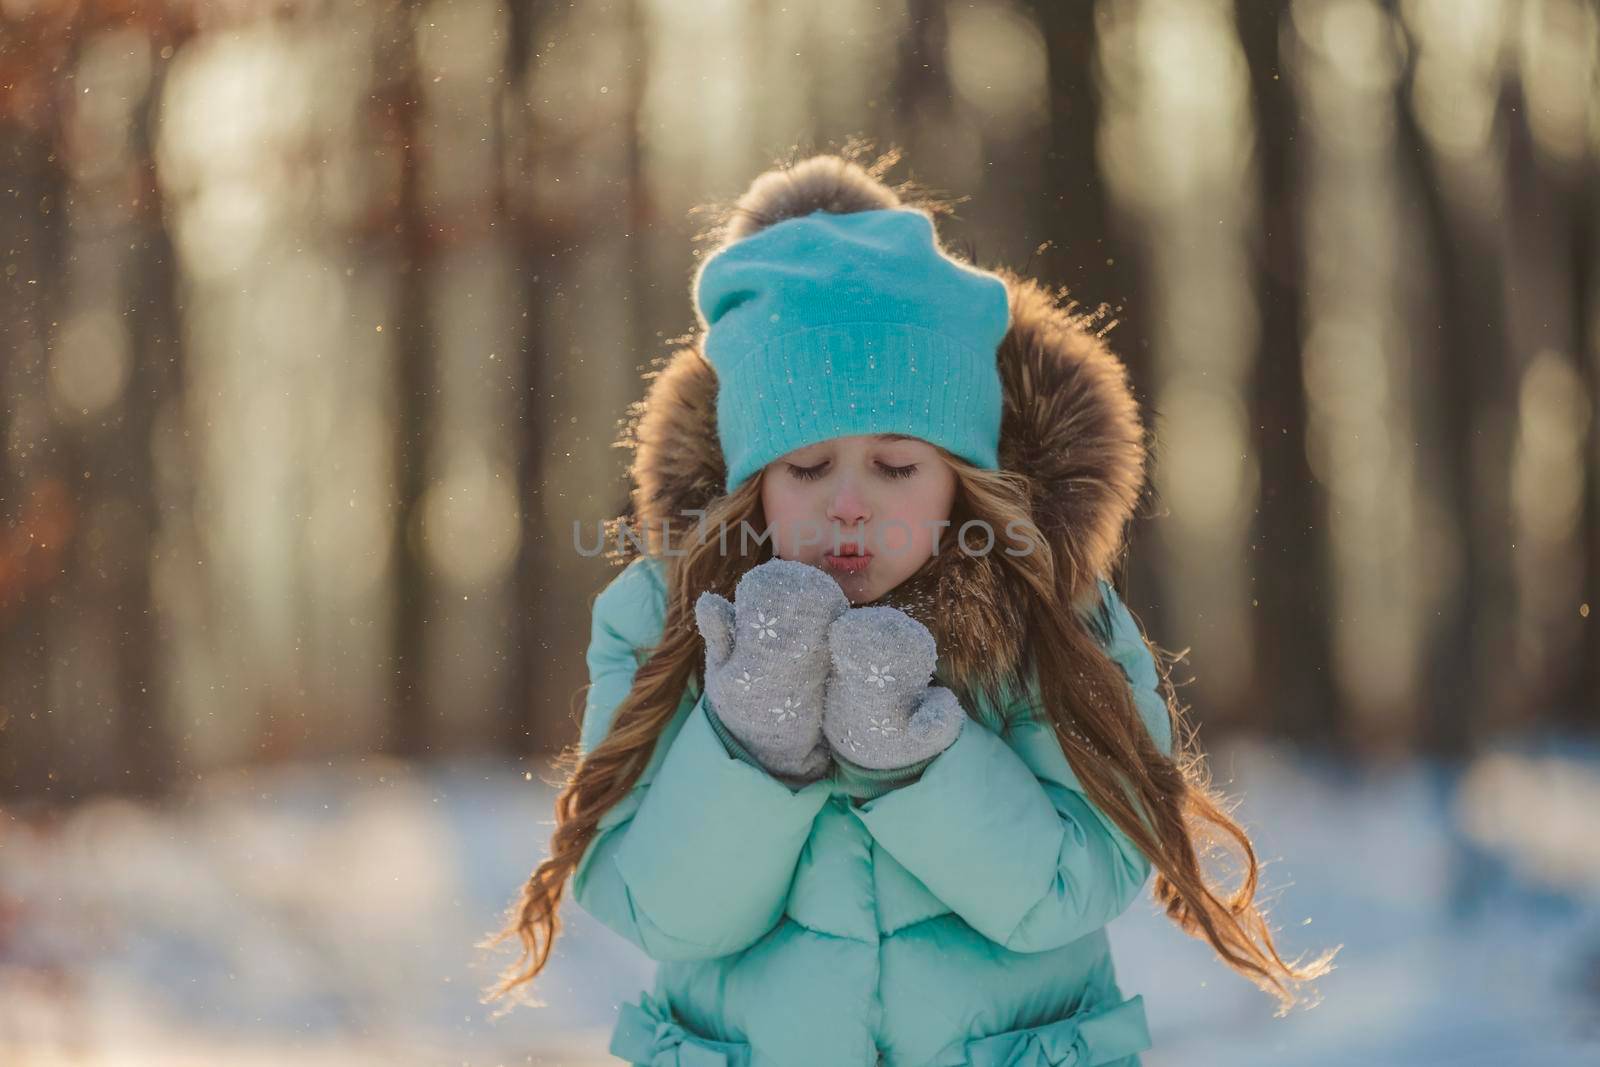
(901, 538)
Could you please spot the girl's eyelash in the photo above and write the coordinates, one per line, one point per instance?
(813, 473)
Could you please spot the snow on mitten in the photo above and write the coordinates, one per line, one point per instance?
(879, 711)
(767, 662)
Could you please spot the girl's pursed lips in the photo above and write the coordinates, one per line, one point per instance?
(850, 564)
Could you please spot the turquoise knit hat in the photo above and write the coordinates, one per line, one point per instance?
(830, 325)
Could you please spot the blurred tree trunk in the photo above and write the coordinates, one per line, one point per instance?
(1077, 212)
(1467, 388)
(1584, 252)
(522, 638)
(78, 545)
(408, 734)
(145, 753)
(808, 140)
(41, 511)
(549, 579)
(919, 91)
(38, 512)
(1550, 270)
(1290, 568)
(638, 290)
(1091, 255)
(533, 615)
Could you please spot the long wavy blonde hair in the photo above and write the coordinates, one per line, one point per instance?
(1166, 805)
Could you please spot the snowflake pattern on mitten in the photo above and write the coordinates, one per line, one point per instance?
(767, 660)
(879, 711)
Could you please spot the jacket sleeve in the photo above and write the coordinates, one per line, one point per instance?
(1002, 831)
(696, 860)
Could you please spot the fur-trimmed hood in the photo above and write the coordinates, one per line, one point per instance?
(1070, 424)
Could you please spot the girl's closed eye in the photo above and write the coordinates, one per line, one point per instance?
(814, 472)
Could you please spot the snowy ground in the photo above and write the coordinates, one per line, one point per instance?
(328, 915)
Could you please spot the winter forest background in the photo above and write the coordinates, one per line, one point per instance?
(317, 322)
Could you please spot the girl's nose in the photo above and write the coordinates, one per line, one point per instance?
(848, 507)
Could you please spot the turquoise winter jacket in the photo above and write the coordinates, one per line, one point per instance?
(954, 917)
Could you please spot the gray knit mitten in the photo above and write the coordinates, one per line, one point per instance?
(767, 662)
(879, 711)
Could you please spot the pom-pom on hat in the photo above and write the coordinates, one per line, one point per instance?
(829, 325)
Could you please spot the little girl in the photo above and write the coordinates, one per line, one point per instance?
(902, 470)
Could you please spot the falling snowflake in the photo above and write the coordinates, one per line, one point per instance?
(851, 742)
(884, 726)
(879, 676)
(790, 710)
(766, 627)
(745, 680)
